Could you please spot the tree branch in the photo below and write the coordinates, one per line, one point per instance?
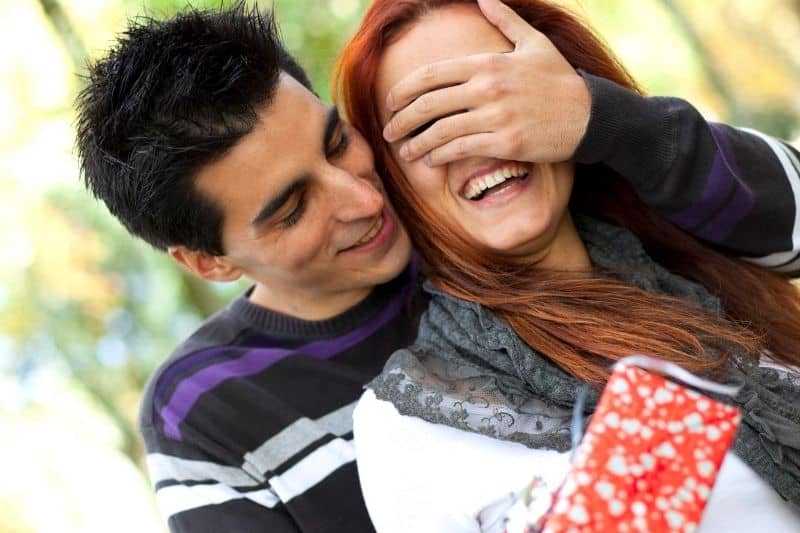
(715, 76)
(65, 30)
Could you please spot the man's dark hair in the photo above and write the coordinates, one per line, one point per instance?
(169, 98)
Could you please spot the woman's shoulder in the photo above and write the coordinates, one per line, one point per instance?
(420, 476)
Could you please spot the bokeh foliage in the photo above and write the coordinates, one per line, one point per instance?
(87, 307)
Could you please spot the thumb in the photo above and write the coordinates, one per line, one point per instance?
(505, 19)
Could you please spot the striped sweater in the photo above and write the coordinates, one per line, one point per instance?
(248, 424)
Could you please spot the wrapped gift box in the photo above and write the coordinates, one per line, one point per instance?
(648, 460)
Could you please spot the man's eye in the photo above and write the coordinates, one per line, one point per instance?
(292, 218)
(339, 146)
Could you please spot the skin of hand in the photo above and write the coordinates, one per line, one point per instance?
(525, 105)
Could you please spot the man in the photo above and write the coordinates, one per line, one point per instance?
(201, 134)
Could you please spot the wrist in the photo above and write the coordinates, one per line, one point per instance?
(614, 112)
(581, 118)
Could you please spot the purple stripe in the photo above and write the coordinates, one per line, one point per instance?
(183, 365)
(205, 356)
(718, 185)
(724, 223)
(257, 360)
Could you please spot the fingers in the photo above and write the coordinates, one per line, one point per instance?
(433, 76)
(428, 107)
(442, 132)
(505, 19)
(476, 145)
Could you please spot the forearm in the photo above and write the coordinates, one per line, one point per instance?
(735, 189)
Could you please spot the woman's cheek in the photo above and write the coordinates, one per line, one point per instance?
(419, 175)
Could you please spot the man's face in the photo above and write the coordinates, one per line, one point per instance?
(305, 214)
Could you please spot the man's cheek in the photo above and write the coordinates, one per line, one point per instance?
(308, 248)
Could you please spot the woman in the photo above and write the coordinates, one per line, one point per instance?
(532, 298)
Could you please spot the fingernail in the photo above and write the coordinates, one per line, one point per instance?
(387, 132)
(427, 160)
(404, 152)
(390, 102)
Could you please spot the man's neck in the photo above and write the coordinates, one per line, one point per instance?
(322, 307)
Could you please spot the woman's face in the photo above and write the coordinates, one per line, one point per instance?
(522, 212)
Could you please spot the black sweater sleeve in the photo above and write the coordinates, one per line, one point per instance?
(736, 189)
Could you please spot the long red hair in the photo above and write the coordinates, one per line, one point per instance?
(581, 321)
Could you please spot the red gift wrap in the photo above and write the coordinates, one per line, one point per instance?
(648, 460)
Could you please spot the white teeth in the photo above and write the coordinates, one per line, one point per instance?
(476, 186)
(371, 233)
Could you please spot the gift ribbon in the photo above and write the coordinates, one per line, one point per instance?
(674, 371)
(648, 363)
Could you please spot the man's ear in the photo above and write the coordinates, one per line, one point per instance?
(205, 265)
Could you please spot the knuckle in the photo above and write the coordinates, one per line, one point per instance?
(497, 116)
(494, 87)
(399, 124)
(441, 131)
(460, 148)
(500, 115)
(412, 145)
(429, 73)
(423, 104)
(495, 62)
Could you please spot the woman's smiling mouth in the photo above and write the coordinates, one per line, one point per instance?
(498, 179)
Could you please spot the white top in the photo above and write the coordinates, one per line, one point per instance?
(418, 476)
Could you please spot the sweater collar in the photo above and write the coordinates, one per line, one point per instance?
(274, 323)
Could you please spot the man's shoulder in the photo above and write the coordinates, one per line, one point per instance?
(239, 366)
(222, 414)
(248, 405)
(226, 403)
(217, 334)
(221, 380)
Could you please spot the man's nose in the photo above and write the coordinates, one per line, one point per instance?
(357, 197)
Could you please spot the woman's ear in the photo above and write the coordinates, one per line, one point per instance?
(205, 265)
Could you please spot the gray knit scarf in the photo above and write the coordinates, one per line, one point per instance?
(468, 369)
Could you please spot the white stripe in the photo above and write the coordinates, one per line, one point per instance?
(772, 260)
(315, 467)
(178, 498)
(164, 467)
(294, 438)
(794, 266)
(786, 158)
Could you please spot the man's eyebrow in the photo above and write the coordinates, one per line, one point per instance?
(272, 206)
(332, 121)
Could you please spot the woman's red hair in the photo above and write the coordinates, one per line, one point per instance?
(581, 321)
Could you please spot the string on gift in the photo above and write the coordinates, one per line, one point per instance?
(674, 371)
(577, 418)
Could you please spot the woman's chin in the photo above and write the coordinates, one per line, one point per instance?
(525, 238)
(513, 247)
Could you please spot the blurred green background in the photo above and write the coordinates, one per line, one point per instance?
(86, 312)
